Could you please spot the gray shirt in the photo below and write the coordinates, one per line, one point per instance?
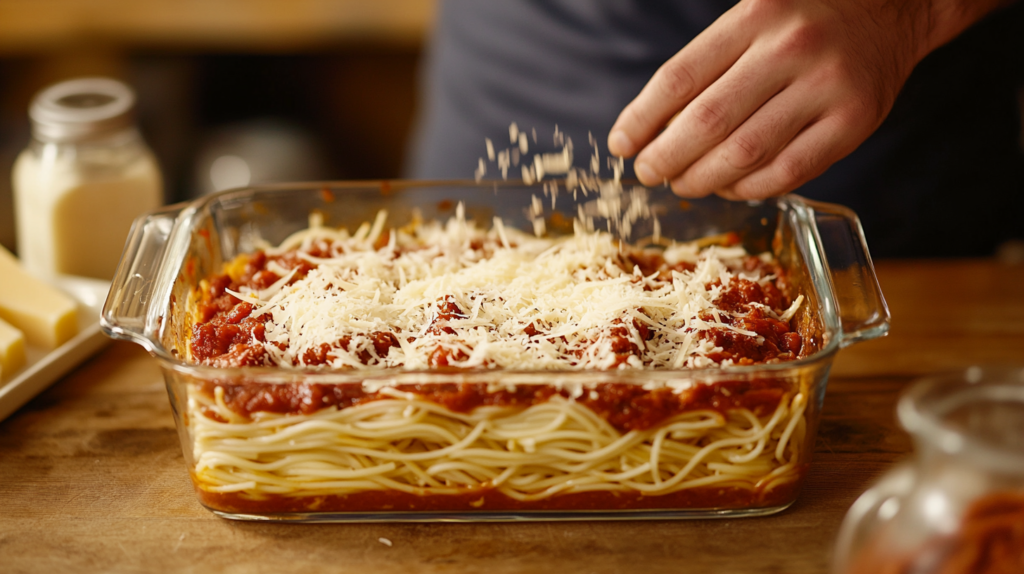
(944, 174)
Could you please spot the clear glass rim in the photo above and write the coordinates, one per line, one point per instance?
(923, 406)
(502, 516)
(814, 261)
(391, 377)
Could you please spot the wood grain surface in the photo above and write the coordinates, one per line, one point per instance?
(92, 477)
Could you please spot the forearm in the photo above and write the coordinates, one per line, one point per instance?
(947, 19)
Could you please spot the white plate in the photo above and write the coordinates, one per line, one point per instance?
(42, 368)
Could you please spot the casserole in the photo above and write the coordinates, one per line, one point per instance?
(315, 464)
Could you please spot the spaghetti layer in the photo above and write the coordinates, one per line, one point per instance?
(535, 455)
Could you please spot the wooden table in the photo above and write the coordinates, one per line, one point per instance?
(92, 477)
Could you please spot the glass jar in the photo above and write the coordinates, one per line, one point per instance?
(958, 505)
(83, 179)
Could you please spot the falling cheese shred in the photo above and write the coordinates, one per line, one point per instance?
(497, 298)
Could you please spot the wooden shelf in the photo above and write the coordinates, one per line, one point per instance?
(34, 26)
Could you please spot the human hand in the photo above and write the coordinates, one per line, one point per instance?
(775, 91)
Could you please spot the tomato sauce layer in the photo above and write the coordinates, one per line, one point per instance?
(625, 406)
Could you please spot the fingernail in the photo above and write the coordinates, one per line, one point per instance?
(619, 143)
(646, 174)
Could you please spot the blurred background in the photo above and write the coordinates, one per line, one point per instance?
(232, 92)
(310, 89)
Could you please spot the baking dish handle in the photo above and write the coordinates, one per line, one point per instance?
(127, 311)
(862, 308)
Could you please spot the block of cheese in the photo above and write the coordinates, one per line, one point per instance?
(45, 315)
(12, 349)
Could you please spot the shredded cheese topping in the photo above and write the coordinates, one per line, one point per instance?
(497, 298)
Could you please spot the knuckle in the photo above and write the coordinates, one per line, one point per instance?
(791, 172)
(829, 74)
(676, 80)
(859, 111)
(711, 119)
(862, 110)
(839, 73)
(753, 188)
(745, 150)
(803, 39)
(762, 9)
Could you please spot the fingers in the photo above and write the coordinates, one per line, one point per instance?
(750, 145)
(807, 156)
(767, 98)
(673, 86)
(727, 193)
(710, 118)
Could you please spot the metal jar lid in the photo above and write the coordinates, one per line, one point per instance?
(82, 109)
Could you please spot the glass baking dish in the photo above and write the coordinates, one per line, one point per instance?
(486, 464)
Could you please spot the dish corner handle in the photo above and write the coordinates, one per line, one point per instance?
(133, 289)
(862, 308)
